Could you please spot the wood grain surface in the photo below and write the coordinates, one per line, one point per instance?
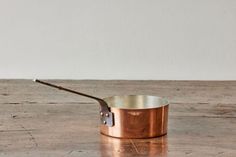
(38, 121)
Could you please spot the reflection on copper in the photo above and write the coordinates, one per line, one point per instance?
(116, 147)
(136, 123)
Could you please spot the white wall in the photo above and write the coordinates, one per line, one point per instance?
(118, 39)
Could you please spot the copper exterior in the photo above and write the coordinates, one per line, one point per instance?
(116, 147)
(138, 123)
(129, 116)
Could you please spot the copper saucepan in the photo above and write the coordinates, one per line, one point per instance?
(130, 116)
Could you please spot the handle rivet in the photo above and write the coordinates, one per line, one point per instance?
(101, 113)
(104, 122)
(107, 115)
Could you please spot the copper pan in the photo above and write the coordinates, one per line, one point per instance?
(129, 116)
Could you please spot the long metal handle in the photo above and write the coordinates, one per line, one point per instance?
(66, 89)
(106, 115)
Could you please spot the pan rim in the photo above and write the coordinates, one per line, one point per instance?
(145, 102)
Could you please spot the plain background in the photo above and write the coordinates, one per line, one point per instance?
(120, 39)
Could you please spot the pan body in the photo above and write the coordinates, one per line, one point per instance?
(137, 116)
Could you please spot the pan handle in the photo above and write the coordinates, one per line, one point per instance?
(107, 117)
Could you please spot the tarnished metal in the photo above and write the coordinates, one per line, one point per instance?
(107, 120)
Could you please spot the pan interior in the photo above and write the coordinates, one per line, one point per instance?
(135, 101)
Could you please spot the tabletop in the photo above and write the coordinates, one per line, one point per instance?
(36, 120)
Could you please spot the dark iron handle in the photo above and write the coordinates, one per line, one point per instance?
(106, 115)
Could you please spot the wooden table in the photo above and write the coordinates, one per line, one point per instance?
(36, 120)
